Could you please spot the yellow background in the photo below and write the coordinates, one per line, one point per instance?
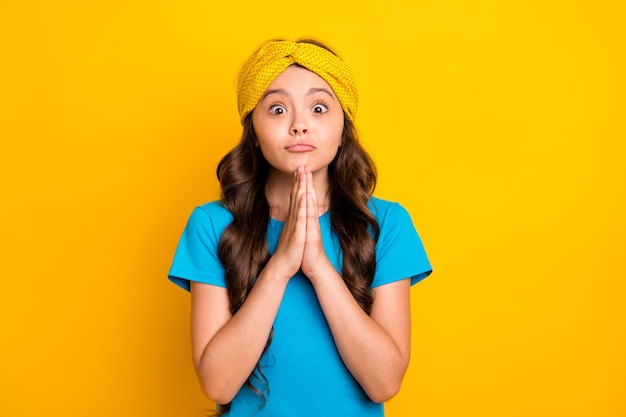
(499, 125)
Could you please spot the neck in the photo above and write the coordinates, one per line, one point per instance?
(278, 190)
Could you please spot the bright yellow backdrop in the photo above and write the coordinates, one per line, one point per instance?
(499, 125)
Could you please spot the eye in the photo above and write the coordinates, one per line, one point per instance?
(277, 109)
(320, 108)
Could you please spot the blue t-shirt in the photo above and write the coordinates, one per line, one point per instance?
(305, 373)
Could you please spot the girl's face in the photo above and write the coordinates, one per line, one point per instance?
(298, 121)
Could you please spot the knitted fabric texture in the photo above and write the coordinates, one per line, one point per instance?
(274, 57)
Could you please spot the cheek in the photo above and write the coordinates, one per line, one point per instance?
(262, 133)
(338, 130)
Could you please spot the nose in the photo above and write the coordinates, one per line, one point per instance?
(299, 125)
(299, 130)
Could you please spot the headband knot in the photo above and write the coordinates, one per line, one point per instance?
(262, 68)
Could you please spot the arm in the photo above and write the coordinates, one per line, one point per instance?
(227, 347)
(375, 348)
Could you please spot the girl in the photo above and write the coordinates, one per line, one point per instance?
(299, 277)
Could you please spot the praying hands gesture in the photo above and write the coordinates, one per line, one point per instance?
(300, 244)
(298, 118)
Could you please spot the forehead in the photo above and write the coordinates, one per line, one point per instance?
(296, 77)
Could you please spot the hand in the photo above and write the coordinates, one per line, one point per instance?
(314, 259)
(300, 244)
(290, 249)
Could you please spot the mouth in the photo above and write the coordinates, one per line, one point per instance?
(300, 147)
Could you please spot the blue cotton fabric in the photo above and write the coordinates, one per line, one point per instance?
(304, 370)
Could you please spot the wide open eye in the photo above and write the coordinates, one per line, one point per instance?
(319, 108)
(277, 109)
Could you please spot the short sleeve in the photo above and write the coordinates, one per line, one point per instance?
(399, 250)
(196, 255)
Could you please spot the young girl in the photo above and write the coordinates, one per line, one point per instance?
(299, 277)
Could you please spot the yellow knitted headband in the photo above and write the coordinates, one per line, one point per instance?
(274, 57)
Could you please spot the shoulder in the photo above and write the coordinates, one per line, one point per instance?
(196, 257)
(214, 209)
(399, 250)
(387, 211)
(212, 215)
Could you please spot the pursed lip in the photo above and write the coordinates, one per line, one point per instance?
(300, 147)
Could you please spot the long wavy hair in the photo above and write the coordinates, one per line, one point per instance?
(242, 249)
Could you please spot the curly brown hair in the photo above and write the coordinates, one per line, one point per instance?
(242, 249)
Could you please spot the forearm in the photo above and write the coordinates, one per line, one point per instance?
(230, 356)
(370, 353)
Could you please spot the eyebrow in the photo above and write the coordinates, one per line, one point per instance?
(314, 90)
(311, 91)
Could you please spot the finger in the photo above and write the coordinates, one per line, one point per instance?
(313, 225)
(293, 194)
(300, 222)
(298, 209)
(302, 187)
(310, 188)
(311, 206)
